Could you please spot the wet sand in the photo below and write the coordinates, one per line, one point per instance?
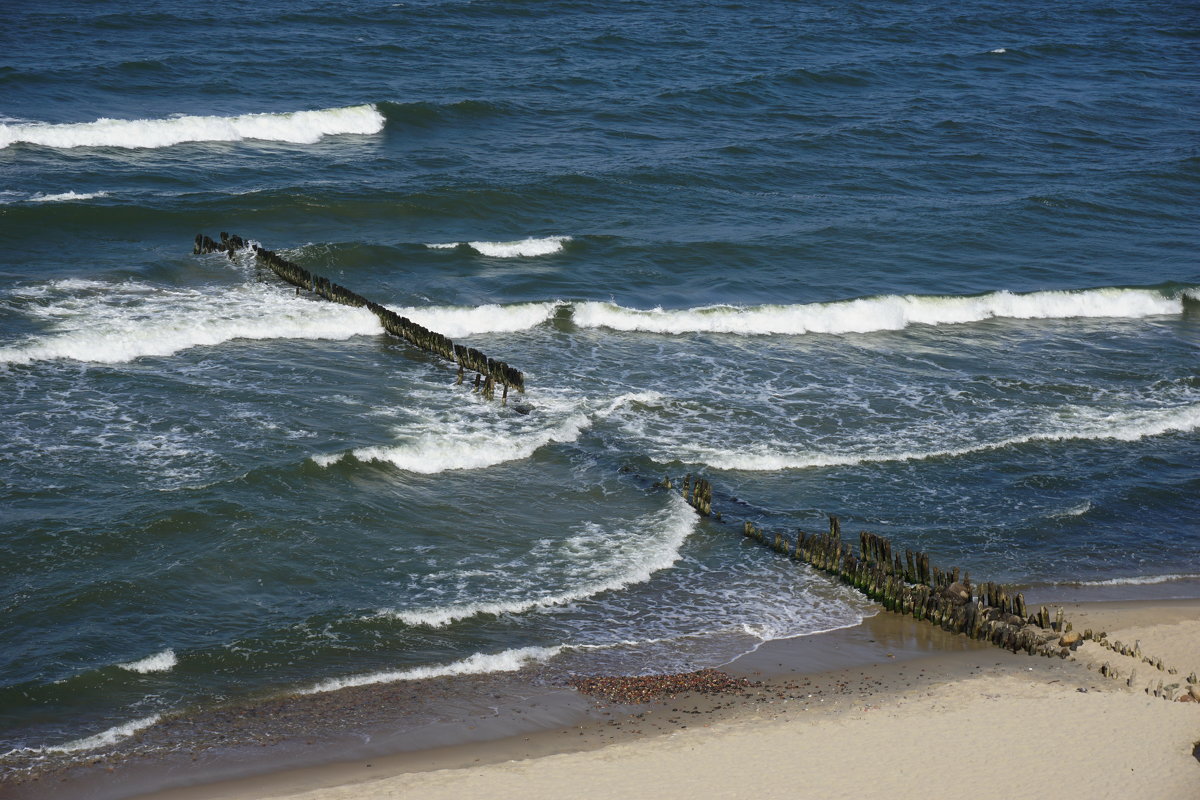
(890, 708)
(891, 691)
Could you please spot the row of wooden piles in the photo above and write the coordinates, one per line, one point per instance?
(911, 585)
(489, 372)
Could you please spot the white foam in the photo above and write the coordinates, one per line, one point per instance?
(1144, 580)
(636, 554)
(884, 313)
(533, 246)
(462, 321)
(1074, 424)
(159, 662)
(102, 739)
(465, 445)
(773, 630)
(66, 196)
(115, 323)
(479, 663)
(1074, 511)
(436, 452)
(999, 50)
(301, 127)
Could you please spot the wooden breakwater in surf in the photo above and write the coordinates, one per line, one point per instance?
(489, 372)
(906, 582)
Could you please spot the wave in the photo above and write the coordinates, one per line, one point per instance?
(521, 248)
(883, 313)
(478, 447)
(1077, 510)
(159, 662)
(479, 663)
(102, 739)
(1143, 580)
(1077, 424)
(117, 322)
(122, 322)
(634, 564)
(9, 197)
(463, 321)
(300, 127)
(66, 196)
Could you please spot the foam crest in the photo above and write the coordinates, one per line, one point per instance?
(636, 555)
(890, 312)
(463, 321)
(532, 246)
(66, 196)
(439, 451)
(1144, 580)
(300, 127)
(102, 739)
(1075, 424)
(159, 662)
(1077, 510)
(465, 446)
(477, 664)
(122, 322)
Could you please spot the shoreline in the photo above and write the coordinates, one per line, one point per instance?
(1045, 724)
(879, 663)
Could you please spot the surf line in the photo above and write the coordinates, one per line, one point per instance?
(488, 371)
(987, 612)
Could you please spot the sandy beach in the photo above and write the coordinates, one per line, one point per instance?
(891, 708)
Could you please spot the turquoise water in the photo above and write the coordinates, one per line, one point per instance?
(931, 268)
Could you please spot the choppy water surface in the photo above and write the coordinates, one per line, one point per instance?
(931, 268)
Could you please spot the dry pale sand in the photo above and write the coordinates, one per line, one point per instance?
(1019, 727)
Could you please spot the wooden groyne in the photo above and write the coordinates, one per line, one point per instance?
(906, 582)
(489, 372)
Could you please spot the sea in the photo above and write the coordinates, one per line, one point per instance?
(929, 267)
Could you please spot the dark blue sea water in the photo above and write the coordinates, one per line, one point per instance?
(931, 267)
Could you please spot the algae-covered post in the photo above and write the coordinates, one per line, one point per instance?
(489, 371)
(911, 585)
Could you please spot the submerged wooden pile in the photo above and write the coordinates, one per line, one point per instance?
(489, 371)
(910, 584)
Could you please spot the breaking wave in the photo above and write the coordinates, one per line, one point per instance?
(462, 321)
(66, 197)
(102, 739)
(638, 555)
(1082, 425)
(159, 662)
(112, 323)
(477, 664)
(885, 313)
(466, 446)
(1146, 580)
(300, 127)
(115, 323)
(524, 247)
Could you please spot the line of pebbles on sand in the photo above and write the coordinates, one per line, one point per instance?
(631, 690)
